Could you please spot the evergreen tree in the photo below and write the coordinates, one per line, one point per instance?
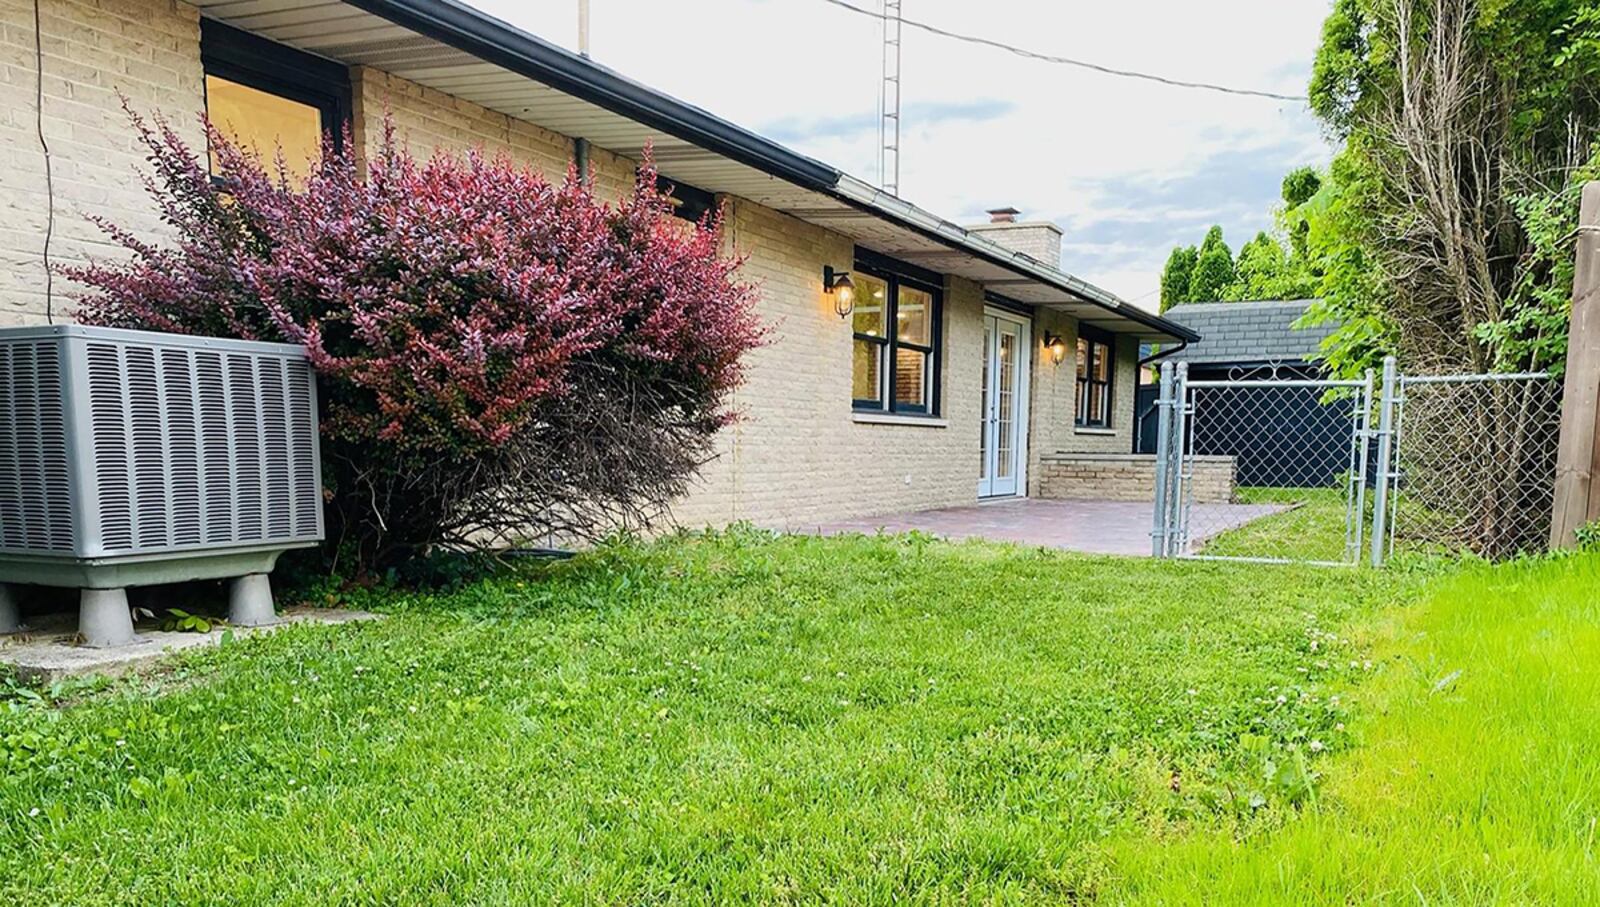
(1213, 270)
(1176, 275)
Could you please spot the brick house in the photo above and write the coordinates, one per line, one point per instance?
(969, 357)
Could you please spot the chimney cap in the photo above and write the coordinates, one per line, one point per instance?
(1006, 215)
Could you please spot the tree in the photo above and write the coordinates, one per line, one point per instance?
(1299, 185)
(1467, 127)
(1261, 271)
(1176, 275)
(1460, 119)
(498, 356)
(1213, 270)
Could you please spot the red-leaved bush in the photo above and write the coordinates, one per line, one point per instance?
(499, 356)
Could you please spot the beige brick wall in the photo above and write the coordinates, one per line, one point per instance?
(799, 456)
(1129, 477)
(1055, 398)
(147, 49)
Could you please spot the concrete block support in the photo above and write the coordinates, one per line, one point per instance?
(250, 601)
(10, 614)
(104, 619)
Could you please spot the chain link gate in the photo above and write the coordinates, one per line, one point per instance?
(1261, 466)
(1276, 468)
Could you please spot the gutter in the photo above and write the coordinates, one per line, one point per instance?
(489, 39)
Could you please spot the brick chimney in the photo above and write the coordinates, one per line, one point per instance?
(1038, 239)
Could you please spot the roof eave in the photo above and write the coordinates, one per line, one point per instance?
(868, 197)
(492, 40)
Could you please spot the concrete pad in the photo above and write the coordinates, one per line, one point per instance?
(1095, 527)
(49, 650)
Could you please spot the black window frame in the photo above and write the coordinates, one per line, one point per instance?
(1087, 384)
(896, 274)
(251, 60)
(688, 202)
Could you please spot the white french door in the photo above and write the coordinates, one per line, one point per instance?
(1004, 413)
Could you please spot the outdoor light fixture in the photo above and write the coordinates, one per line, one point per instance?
(843, 290)
(1057, 345)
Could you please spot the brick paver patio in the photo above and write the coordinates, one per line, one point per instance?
(1097, 527)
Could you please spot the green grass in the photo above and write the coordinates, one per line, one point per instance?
(732, 717)
(1313, 530)
(1478, 777)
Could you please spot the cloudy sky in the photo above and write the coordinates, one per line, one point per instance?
(1127, 169)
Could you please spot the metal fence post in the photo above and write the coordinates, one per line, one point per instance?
(1380, 498)
(1177, 525)
(1363, 457)
(1160, 516)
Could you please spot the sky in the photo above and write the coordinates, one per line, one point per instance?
(1127, 169)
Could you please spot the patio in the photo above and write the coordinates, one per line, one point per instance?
(1095, 527)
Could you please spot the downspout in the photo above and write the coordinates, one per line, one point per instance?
(580, 145)
(1156, 356)
(580, 159)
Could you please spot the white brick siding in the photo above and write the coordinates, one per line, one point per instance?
(798, 456)
(149, 50)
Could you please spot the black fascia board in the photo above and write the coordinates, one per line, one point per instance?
(488, 39)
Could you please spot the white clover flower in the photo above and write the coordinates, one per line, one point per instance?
(1316, 746)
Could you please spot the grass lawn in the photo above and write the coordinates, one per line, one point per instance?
(1477, 777)
(741, 717)
(733, 717)
(1314, 530)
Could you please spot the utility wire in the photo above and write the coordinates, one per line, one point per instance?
(49, 177)
(1069, 61)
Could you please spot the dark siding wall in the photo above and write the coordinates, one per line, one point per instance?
(1285, 437)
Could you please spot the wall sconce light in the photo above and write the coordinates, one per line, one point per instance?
(843, 290)
(1057, 345)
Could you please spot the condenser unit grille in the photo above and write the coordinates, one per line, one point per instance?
(35, 486)
(194, 447)
(126, 443)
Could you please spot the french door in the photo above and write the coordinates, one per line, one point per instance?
(1003, 417)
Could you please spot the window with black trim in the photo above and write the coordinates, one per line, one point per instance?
(687, 202)
(896, 324)
(266, 96)
(1096, 365)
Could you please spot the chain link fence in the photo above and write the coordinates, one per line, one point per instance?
(1475, 462)
(1277, 465)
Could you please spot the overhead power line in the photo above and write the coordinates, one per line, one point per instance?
(1069, 61)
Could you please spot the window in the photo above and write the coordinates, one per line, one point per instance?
(895, 360)
(1096, 364)
(687, 202)
(265, 95)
